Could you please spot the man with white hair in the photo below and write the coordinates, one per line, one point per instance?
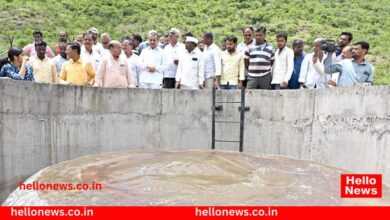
(311, 76)
(113, 70)
(190, 72)
(105, 40)
(171, 58)
(151, 64)
(132, 58)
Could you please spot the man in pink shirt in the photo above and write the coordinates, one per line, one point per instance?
(113, 70)
(30, 48)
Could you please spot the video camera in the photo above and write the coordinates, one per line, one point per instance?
(328, 45)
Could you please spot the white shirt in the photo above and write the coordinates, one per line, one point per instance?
(104, 52)
(212, 61)
(58, 61)
(151, 58)
(190, 72)
(171, 53)
(98, 47)
(283, 65)
(94, 57)
(242, 47)
(133, 63)
(309, 75)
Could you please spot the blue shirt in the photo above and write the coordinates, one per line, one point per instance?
(293, 83)
(12, 72)
(142, 46)
(338, 52)
(350, 71)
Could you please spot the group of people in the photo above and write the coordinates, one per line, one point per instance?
(191, 64)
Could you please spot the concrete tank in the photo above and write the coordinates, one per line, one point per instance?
(42, 125)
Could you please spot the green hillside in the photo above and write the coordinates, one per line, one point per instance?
(304, 19)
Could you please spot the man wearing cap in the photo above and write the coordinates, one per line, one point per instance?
(151, 64)
(98, 47)
(113, 71)
(190, 73)
(171, 59)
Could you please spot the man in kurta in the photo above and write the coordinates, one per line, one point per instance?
(113, 71)
(190, 72)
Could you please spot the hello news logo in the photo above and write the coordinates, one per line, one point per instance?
(361, 185)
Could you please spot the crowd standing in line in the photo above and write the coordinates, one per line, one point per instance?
(165, 62)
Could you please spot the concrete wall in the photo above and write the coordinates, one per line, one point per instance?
(43, 124)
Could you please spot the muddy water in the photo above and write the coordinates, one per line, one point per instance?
(190, 178)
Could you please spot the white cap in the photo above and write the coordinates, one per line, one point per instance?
(175, 30)
(94, 30)
(192, 39)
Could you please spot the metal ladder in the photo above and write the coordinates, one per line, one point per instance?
(215, 107)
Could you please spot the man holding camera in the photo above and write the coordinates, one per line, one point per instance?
(352, 72)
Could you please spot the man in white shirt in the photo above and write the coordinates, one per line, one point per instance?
(212, 62)
(132, 59)
(61, 58)
(88, 53)
(190, 74)
(151, 64)
(310, 75)
(171, 56)
(105, 39)
(283, 65)
(248, 40)
(97, 46)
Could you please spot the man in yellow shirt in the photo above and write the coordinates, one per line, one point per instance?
(43, 68)
(77, 71)
(233, 66)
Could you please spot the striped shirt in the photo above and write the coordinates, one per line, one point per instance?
(259, 57)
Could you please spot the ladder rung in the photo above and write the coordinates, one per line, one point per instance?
(233, 122)
(227, 102)
(227, 141)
